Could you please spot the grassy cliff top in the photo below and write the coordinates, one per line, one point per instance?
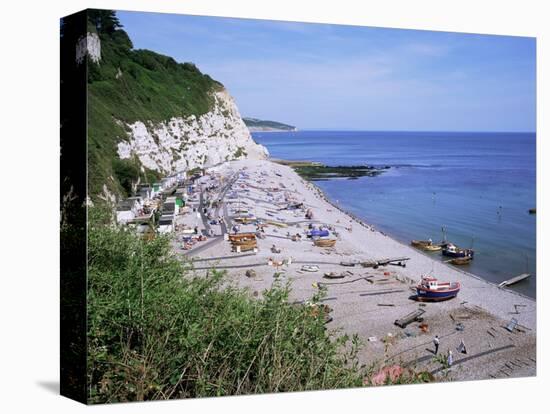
(131, 85)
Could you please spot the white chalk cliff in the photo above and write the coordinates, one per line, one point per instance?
(181, 144)
(88, 45)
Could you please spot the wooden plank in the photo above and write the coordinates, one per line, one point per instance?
(409, 318)
(514, 280)
(391, 260)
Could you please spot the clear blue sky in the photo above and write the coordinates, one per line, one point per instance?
(347, 77)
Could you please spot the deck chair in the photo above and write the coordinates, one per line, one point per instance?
(512, 325)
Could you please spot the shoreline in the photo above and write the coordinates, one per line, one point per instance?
(368, 301)
(371, 226)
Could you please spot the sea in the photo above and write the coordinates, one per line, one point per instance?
(477, 187)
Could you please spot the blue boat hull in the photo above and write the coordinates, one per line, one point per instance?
(460, 253)
(436, 295)
(318, 233)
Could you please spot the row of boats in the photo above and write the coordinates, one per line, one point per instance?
(459, 256)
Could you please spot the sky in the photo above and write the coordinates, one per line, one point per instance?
(319, 76)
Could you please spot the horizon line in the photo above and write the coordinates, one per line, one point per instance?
(402, 130)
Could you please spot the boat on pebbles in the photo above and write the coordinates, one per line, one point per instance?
(325, 242)
(310, 268)
(334, 275)
(350, 263)
(431, 289)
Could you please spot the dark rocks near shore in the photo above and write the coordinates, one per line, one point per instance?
(320, 172)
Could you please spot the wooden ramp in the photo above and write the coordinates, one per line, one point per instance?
(514, 280)
(383, 262)
(411, 317)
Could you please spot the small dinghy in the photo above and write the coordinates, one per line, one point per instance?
(421, 243)
(241, 236)
(460, 261)
(350, 263)
(431, 289)
(310, 268)
(334, 275)
(431, 247)
(318, 233)
(325, 242)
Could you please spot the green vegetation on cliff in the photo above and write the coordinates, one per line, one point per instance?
(130, 85)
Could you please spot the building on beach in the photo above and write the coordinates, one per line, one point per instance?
(127, 209)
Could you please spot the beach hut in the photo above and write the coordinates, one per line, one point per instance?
(127, 209)
(166, 224)
(180, 197)
(169, 207)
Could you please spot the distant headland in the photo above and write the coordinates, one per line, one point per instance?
(259, 125)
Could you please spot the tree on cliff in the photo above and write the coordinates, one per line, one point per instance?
(104, 21)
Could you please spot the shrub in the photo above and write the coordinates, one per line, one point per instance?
(158, 331)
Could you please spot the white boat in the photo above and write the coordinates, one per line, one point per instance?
(310, 268)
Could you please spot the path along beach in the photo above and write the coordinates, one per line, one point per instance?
(371, 299)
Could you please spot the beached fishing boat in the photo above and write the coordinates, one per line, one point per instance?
(318, 233)
(242, 236)
(432, 289)
(453, 251)
(244, 247)
(277, 223)
(243, 242)
(325, 242)
(334, 275)
(245, 220)
(310, 268)
(350, 263)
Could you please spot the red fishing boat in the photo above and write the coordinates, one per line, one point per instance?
(432, 289)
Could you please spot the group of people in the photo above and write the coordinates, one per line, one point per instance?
(450, 359)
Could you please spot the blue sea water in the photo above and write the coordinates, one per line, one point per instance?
(479, 186)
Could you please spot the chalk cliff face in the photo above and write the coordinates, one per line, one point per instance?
(148, 115)
(88, 45)
(181, 144)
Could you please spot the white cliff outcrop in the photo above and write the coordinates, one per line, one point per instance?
(88, 45)
(182, 144)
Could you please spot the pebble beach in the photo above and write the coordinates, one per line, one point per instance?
(366, 301)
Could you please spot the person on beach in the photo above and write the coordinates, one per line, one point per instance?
(436, 344)
(462, 347)
(450, 358)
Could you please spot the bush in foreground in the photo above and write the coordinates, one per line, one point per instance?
(157, 332)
